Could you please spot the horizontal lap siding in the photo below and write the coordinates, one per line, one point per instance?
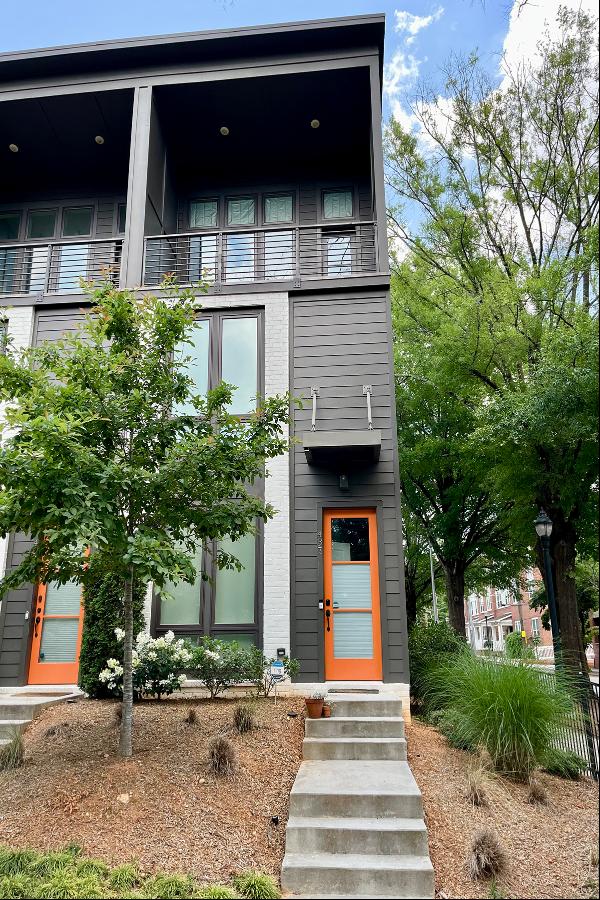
(50, 324)
(338, 346)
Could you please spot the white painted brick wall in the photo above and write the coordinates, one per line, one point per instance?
(20, 330)
(276, 610)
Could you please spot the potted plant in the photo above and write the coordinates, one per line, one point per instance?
(327, 707)
(314, 705)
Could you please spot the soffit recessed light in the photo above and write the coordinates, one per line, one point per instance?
(314, 123)
(99, 139)
(224, 130)
(14, 148)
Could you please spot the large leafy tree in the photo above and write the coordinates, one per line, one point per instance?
(98, 456)
(451, 503)
(503, 276)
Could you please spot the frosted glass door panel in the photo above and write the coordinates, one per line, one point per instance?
(352, 586)
(353, 636)
(239, 362)
(234, 598)
(59, 640)
(63, 599)
(197, 353)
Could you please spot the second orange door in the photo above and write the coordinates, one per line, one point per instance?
(352, 616)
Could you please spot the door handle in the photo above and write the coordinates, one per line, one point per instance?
(328, 616)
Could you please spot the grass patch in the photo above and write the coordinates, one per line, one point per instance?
(564, 763)
(12, 755)
(67, 874)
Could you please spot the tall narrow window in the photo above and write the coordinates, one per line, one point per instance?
(235, 591)
(182, 607)
(239, 361)
(197, 365)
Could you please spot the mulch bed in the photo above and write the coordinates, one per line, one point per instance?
(162, 808)
(549, 848)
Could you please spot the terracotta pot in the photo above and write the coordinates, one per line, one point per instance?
(314, 708)
(326, 711)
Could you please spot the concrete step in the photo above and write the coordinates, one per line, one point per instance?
(363, 726)
(355, 788)
(19, 710)
(354, 748)
(8, 727)
(349, 874)
(328, 834)
(360, 705)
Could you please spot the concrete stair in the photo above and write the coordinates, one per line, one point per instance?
(19, 709)
(356, 825)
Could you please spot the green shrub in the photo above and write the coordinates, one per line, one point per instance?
(49, 863)
(451, 724)
(102, 602)
(92, 867)
(15, 887)
(515, 647)
(65, 884)
(14, 862)
(217, 892)
(506, 708)
(124, 878)
(259, 671)
(256, 886)
(12, 755)
(169, 887)
(219, 664)
(564, 763)
(428, 645)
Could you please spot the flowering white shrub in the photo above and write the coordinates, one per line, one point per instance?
(219, 664)
(157, 665)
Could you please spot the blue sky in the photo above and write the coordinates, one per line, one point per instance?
(461, 26)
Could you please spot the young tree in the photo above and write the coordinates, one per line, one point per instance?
(504, 275)
(98, 455)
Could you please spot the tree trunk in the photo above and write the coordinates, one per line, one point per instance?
(562, 552)
(455, 588)
(125, 745)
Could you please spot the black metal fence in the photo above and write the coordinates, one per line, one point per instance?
(580, 732)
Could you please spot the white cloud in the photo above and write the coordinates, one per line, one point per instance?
(407, 22)
(527, 24)
(402, 68)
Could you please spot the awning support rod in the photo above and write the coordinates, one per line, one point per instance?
(367, 391)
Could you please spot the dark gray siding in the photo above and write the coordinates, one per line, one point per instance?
(50, 324)
(339, 344)
(14, 627)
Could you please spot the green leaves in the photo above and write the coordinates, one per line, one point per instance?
(96, 457)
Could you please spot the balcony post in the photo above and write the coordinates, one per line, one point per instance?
(133, 245)
(379, 211)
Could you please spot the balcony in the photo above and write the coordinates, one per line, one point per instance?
(57, 267)
(292, 254)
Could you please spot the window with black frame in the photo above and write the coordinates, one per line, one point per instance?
(226, 346)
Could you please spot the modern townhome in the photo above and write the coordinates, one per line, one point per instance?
(251, 158)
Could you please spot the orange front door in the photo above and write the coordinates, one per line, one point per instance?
(57, 626)
(351, 595)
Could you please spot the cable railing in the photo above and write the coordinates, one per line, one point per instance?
(270, 254)
(58, 267)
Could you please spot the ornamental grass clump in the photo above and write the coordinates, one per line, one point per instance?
(256, 886)
(506, 708)
(217, 892)
(222, 756)
(12, 754)
(486, 857)
(564, 763)
(243, 718)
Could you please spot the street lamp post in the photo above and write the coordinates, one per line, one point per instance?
(543, 527)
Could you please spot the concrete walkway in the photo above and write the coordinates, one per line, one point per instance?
(19, 706)
(356, 824)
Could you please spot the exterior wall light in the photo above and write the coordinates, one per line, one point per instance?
(224, 130)
(99, 139)
(14, 148)
(314, 123)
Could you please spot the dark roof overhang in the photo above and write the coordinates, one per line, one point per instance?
(344, 450)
